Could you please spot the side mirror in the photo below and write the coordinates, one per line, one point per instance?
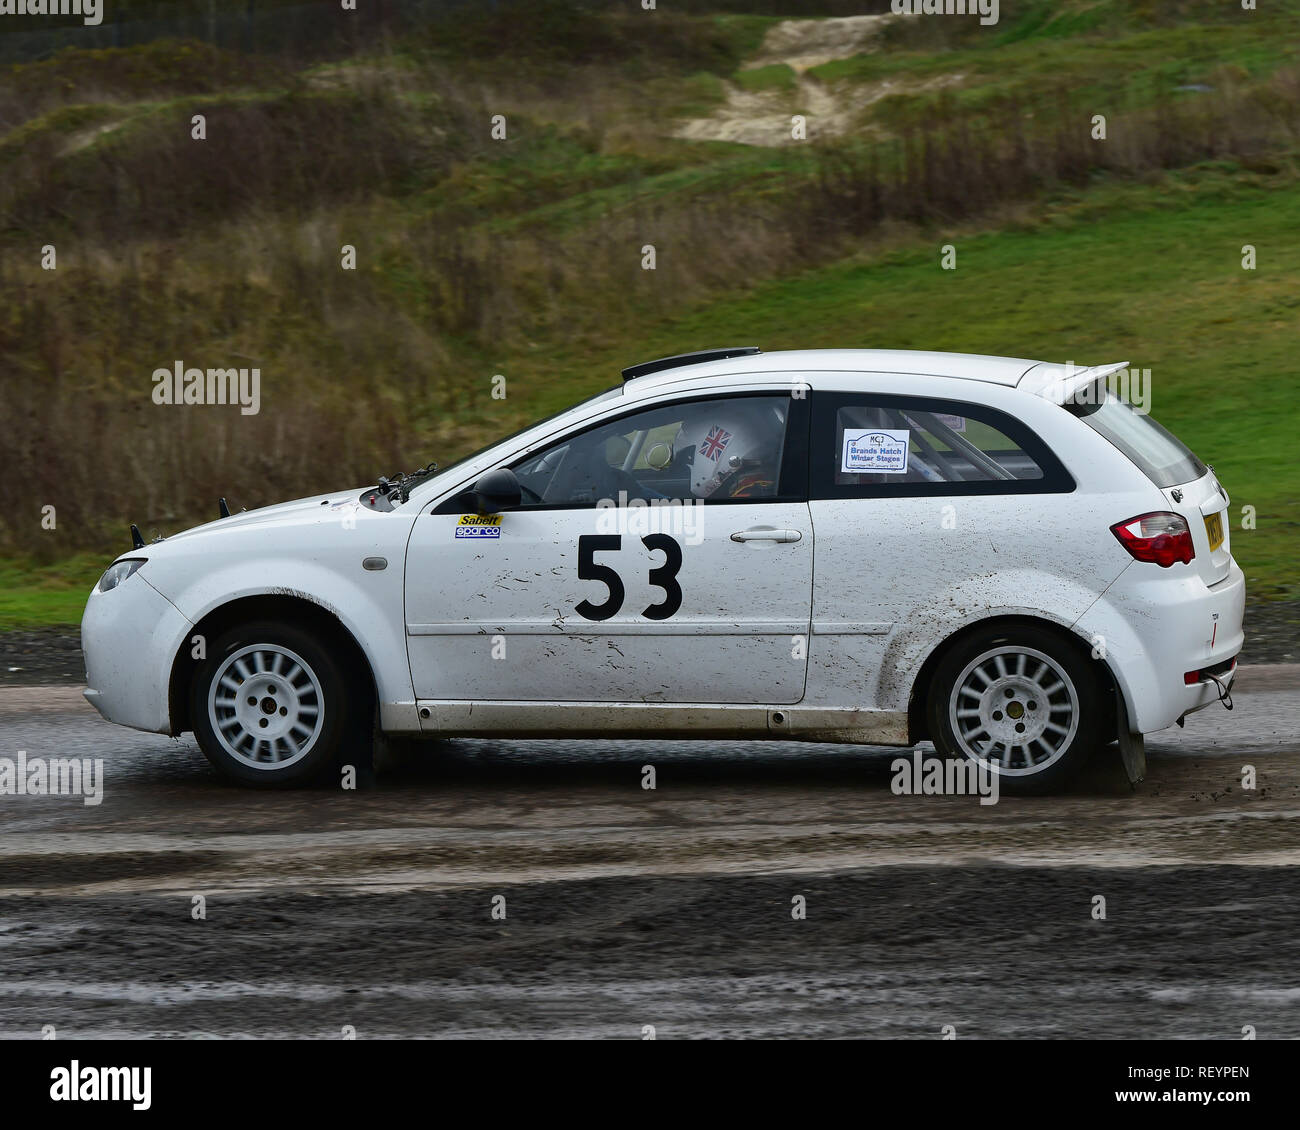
(497, 491)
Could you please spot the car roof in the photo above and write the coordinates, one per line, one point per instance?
(1047, 380)
(1043, 378)
(971, 366)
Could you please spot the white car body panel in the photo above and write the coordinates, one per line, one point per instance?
(874, 585)
(1156, 628)
(983, 557)
(129, 645)
(472, 602)
(311, 548)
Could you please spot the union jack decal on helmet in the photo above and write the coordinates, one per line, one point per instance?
(715, 443)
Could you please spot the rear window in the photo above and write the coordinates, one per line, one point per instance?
(1164, 458)
(885, 445)
(925, 447)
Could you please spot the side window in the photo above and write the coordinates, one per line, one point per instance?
(719, 449)
(892, 445)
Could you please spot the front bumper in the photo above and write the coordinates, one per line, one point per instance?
(129, 637)
(1153, 628)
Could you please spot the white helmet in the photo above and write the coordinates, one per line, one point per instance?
(727, 437)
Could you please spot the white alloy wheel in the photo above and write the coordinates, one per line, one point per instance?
(266, 706)
(1014, 708)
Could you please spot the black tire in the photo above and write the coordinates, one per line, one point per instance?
(1033, 710)
(306, 745)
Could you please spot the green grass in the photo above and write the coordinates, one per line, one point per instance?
(778, 76)
(1109, 72)
(40, 595)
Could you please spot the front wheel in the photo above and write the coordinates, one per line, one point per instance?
(269, 705)
(1021, 701)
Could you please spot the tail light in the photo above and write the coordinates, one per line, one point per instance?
(1160, 536)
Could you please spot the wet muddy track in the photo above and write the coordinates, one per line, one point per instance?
(373, 908)
(894, 952)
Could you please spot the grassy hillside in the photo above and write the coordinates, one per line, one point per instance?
(522, 256)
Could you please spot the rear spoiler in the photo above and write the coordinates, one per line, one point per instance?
(1059, 383)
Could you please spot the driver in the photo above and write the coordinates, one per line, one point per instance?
(736, 450)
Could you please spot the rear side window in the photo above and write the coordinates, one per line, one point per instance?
(1162, 456)
(882, 446)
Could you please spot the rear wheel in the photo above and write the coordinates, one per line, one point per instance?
(269, 705)
(1021, 701)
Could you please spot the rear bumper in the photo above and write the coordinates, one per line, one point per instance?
(1154, 625)
(129, 637)
(1207, 692)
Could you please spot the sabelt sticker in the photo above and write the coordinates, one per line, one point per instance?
(875, 450)
(479, 526)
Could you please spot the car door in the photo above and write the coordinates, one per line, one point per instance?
(929, 511)
(613, 581)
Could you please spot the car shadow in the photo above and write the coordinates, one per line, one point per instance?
(553, 764)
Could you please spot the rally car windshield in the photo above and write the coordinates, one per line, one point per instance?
(608, 394)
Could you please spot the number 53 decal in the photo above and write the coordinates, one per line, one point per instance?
(663, 576)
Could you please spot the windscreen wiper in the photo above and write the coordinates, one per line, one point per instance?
(400, 485)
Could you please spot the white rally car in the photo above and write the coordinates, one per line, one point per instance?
(998, 555)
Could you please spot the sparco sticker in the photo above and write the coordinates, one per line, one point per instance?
(479, 526)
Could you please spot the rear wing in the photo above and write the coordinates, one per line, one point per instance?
(1061, 383)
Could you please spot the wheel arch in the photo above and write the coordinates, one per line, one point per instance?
(289, 609)
(918, 727)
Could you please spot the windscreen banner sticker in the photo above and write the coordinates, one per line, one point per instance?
(875, 450)
(479, 526)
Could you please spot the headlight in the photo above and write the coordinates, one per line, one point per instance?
(119, 572)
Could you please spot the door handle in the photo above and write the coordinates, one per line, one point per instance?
(766, 534)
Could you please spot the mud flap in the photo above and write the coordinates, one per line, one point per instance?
(380, 757)
(1132, 747)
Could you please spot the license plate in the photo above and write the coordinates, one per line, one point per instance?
(1214, 529)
